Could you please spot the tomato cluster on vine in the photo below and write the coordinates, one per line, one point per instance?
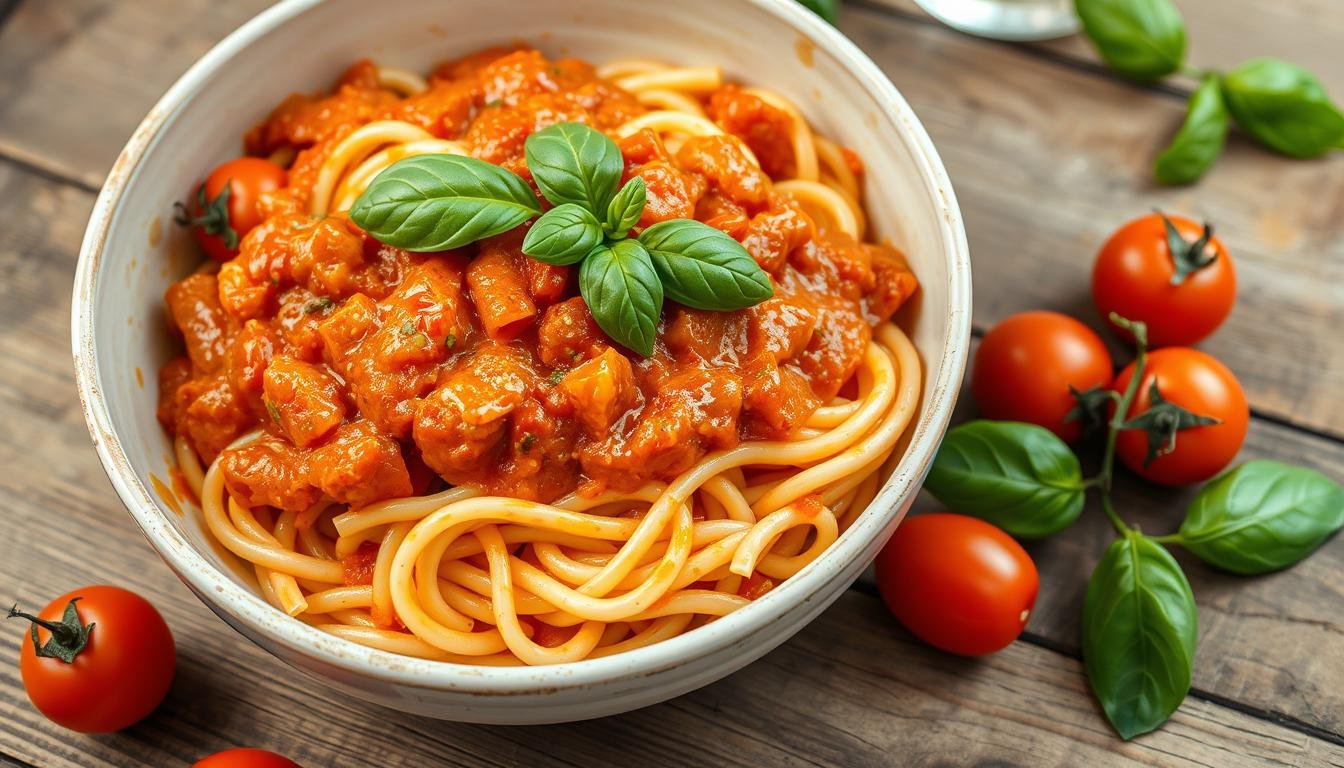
(1174, 415)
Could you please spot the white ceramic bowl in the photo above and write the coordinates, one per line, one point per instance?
(131, 252)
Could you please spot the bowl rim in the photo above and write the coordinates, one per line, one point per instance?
(247, 608)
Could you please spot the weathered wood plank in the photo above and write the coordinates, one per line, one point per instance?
(1047, 161)
(1220, 35)
(76, 76)
(1274, 643)
(853, 689)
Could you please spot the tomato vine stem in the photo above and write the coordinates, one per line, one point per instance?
(1105, 478)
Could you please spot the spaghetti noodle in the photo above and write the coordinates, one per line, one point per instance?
(475, 576)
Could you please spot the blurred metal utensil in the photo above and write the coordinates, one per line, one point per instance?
(1006, 19)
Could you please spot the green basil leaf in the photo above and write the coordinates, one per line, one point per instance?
(826, 9)
(1199, 142)
(1020, 477)
(563, 235)
(1140, 39)
(1284, 107)
(1262, 516)
(704, 268)
(623, 293)
(573, 163)
(626, 207)
(438, 202)
(1139, 631)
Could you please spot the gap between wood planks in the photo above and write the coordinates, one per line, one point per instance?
(35, 167)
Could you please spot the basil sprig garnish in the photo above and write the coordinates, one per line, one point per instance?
(618, 283)
(1261, 517)
(1020, 477)
(703, 268)
(626, 207)
(573, 163)
(1274, 102)
(563, 235)
(438, 202)
(1139, 631)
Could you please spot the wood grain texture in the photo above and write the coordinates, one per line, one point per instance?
(62, 62)
(1048, 160)
(1047, 157)
(852, 689)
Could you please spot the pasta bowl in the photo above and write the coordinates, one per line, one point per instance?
(131, 253)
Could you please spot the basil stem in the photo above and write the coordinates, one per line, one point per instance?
(1122, 406)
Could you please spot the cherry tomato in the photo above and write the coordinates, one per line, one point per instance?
(121, 659)
(957, 582)
(219, 220)
(245, 758)
(1200, 385)
(1136, 276)
(1025, 365)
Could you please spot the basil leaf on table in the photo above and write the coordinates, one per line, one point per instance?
(1020, 477)
(623, 293)
(1200, 139)
(573, 163)
(563, 235)
(1140, 39)
(703, 268)
(1262, 516)
(1284, 107)
(826, 9)
(438, 202)
(1139, 631)
(626, 207)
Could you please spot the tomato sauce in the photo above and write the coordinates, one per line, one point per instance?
(371, 369)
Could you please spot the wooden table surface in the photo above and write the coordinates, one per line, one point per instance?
(1048, 153)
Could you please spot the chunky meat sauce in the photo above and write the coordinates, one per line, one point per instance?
(374, 371)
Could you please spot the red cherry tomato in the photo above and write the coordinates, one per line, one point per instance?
(220, 221)
(957, 582)
(1201, 385)
(121, 659)
(1133, 277)
(1025, 365)
(245, 758)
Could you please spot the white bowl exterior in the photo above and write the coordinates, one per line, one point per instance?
(132, 251)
